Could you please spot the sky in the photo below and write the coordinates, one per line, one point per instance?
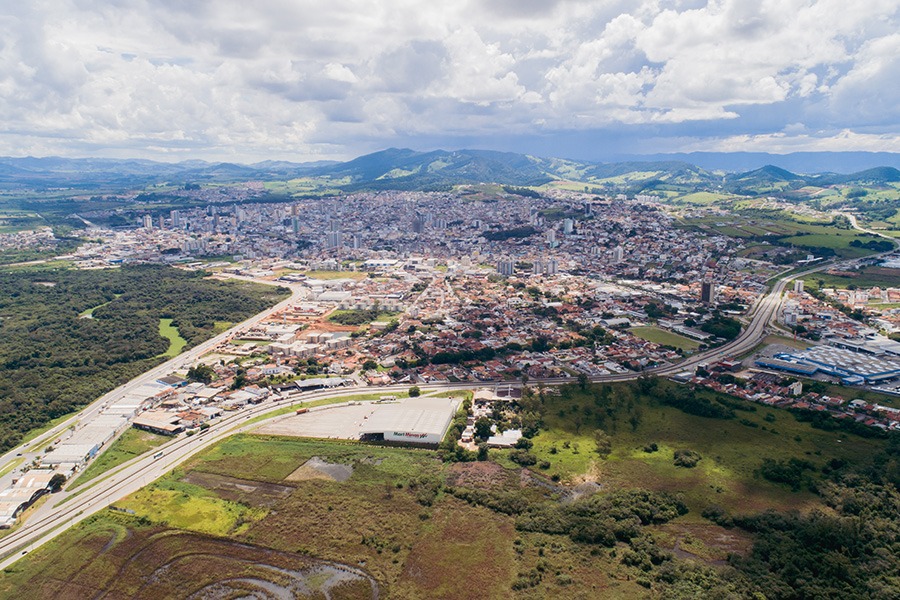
(306, 80)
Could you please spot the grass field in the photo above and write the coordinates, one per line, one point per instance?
(132, 443)
(336, 275)
(397, 519)
(787, 230)
(191, 507)
(702, 198)
(665, 338)
(867, 277)
(170, 332)
(731, 450)
(798, 344)
(388, 519)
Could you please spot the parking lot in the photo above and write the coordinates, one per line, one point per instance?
(341, 422)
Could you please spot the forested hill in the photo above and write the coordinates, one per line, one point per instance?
(57, 354)
(403, 168)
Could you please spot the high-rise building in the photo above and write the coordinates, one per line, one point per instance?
(551, 237)
(707, 292)
(148, 222)
(618, 254)
(295, 224)
(175, 216)
(568, 226)
(798, 286)
(506, 267)
(333, 239)
(418, 225)
(162, 222)
(551, 267)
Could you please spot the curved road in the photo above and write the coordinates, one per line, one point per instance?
(65, 509)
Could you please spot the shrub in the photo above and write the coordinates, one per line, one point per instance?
(687, 458)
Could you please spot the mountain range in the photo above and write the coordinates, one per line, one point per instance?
(413, 170)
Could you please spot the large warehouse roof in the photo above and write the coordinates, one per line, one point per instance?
(430, 416)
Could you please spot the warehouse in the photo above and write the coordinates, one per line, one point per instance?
(850, 366)
(414, 421)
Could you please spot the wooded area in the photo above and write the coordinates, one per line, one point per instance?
(56, 354)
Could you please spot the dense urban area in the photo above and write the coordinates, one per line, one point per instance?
(680, 388)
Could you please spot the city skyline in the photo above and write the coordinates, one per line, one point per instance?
(578, 80)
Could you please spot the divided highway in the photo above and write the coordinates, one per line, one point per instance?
(64, 509)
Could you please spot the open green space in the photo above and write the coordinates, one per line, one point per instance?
(664, 338)
(733, 448)
(798, 343)
(777, 227)
(360, 316)
(866, 277)
(655, 515)
(131, 444)
(336, 275)
(170, 332)
(55, 362)
(701, 198)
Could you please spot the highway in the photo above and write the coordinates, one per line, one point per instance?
(64, 509)
(96, 407)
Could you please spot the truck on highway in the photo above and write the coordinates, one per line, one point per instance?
(157, 455)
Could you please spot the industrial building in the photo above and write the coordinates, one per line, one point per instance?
(25, 490)
(414, 421)
(853, 367)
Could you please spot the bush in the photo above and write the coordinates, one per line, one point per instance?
(718, 515)
(523, 457)
(524, 443)
(687, 458)
(790, 472)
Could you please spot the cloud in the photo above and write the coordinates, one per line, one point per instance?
(282, 79)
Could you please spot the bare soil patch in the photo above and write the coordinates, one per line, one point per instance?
(253, 493)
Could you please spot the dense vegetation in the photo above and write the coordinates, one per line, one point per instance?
(67, 337)
(842, 543)
(507, 234)
(354, 317)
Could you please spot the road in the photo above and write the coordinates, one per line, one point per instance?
(64, 510)
(183, 359)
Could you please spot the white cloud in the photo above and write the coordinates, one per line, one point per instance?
(278, 78)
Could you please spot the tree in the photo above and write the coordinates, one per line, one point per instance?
(202, 373)
(483, 428)
(482, 452)
(604, 443)
(56, 482)
(582, 382)
(414, 392)
(369, 365)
